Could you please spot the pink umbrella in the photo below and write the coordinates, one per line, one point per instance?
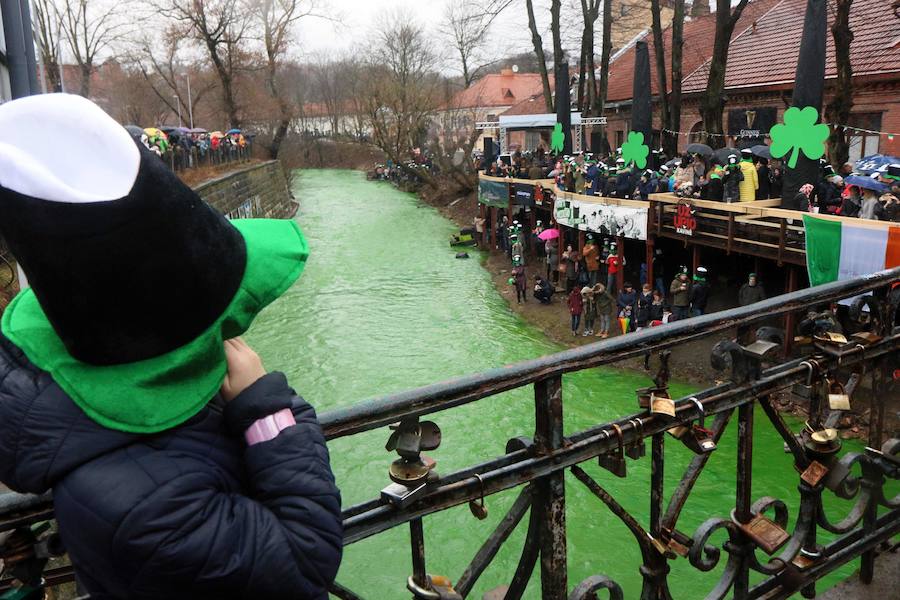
(549, 234)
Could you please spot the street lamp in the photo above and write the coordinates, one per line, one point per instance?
(178, 103)
(190, 100)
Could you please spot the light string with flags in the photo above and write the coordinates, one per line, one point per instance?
(766, 135)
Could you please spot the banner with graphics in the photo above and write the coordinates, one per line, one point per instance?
(605, 219)
(524, 194)
(493, 193)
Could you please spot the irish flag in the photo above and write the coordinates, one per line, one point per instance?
(843, 250)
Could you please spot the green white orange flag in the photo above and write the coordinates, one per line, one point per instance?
(840, 250)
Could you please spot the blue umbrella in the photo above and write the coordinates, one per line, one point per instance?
(875, 162)
(231, 131)
(867, 183)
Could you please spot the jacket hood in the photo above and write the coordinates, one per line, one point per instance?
(43, 434)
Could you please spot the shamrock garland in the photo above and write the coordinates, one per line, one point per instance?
(799, 133)
(635, 149)
(557, 139)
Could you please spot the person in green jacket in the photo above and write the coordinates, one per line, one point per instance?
(751, 180)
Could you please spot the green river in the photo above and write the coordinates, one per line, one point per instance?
(384, 306)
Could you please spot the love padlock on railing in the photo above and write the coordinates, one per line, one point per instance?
(614, 462)
(477, 508)
(638, 449)
(697, 438)
(838, 399)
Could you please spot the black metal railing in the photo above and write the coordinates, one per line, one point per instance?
(537, 464)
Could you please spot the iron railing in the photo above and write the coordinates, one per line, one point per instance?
(538, 464)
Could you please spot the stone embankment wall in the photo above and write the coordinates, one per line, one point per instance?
(259, 190)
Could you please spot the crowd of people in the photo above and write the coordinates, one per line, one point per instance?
(727, 175)
(588, 278)
(185, 148)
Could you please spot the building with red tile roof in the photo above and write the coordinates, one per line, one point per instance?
(485, 100)
(762, 60)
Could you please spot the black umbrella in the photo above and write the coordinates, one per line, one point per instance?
(135, 131)
(761, 150)
(701, 149)
(721, 155)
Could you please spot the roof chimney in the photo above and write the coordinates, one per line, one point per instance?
(506, 72)
(700, 8)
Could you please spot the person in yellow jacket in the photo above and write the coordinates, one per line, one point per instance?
(750, 183)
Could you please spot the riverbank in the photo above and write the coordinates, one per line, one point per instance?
(689, 362)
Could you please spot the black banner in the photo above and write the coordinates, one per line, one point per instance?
(809, 86)
(524, 194)
(641, 110)
(563, 104)
(752, 123)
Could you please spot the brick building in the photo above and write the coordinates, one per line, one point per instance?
(761, 64)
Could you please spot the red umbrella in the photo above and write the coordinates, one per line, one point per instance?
(548, 234)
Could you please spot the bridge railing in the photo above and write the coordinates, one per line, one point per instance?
(537, 464)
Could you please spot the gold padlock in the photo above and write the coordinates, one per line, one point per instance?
(661, 404)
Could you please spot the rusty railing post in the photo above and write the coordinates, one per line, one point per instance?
(550, 501)
(876, 429)
(743, 498)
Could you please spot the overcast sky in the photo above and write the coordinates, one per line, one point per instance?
(356, 18)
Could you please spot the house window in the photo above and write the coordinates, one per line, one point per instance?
(863, 143)
(695, 135)
(620, 138)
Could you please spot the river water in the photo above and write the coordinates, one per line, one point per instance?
(383, 306)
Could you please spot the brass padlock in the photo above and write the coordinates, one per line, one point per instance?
(614, 462)
(639, 448)
(765, 533)
(837, 397)
(662, 404)
(477, 508)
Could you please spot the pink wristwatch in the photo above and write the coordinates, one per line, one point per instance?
(269, 427)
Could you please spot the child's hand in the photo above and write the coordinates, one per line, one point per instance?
(244, 368)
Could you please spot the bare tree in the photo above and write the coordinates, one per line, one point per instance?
(467, 25)
(712, 102)
(157, 60)
(400, 87)
(838, 110)
(590, 11)
(88, 32)
(606, 51)
(538, 45)
(675, 100)
(220, 26)
(660, 55)
(47, 34)
(276, 19)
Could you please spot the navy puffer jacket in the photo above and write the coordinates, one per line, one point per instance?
(187, 513)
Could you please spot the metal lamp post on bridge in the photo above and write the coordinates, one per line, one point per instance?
(187, 76)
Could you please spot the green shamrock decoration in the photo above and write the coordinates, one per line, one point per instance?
(557, 139)
(635, 149)
(799, 133)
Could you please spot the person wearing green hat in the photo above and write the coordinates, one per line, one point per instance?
(699, 292)
(178, 466)
(715, 189)
(520, 280)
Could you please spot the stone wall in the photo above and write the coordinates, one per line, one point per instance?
(259, 190)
